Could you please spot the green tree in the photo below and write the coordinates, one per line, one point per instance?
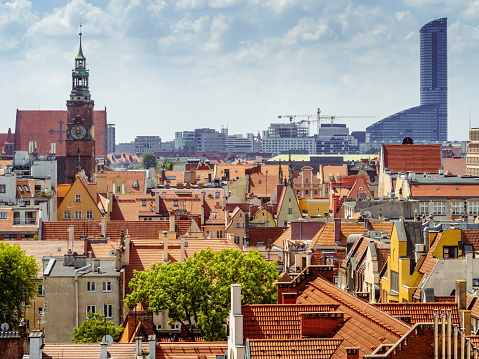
(17, 286)
(198, 290)
(167, 164)
(149, 160)
(94, 328)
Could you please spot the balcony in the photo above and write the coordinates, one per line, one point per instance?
(24, 221)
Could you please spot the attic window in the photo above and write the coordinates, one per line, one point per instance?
(175, 202)
(20, 189)
(143, 203)
(457, 187)
(28, 189)
(437, 187)
(259, 181)
(136, 184)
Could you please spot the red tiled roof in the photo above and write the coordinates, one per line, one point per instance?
(265, 234)
(293, 348)
(455, 166)
(277, 321)
(191, 350)
(464, 190)
(127, 178)
(367, 328)
(27, 129)
(87, 350)
(412, 158)
(418, 312)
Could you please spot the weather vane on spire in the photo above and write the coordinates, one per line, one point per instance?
(80, 30)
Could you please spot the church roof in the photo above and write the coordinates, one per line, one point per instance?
(53, 129)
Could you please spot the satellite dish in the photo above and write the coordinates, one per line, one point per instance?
(107, 339)
(4, 327)
(112, 253)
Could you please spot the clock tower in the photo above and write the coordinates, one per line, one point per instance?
(80, 143)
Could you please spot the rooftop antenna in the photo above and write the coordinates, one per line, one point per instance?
(470, 125)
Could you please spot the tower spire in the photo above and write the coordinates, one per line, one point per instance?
(80, 91)
(80, 51)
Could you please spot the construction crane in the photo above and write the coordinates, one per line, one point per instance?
(320, 118)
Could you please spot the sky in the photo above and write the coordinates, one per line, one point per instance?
(161, 66)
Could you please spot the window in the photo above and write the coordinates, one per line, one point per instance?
(395, 281)
(315, 191)
(3, 215)
(175, 202)
(40, 290)
(90, 309)
(27, 189)
(108, 310)
(306, 180)
(473, 207)
(307, 191)
(290, 211)
(440, 208)
(237, 239)
(143, 203)
(449, 252)
(217, 195)
(238, 225)
(118, 188)
(67, 215)
(2, 188)
(78, 198)
(77, 214)
(423, 207)
(457, 207)
(259, 181)
(89, 214)
(90, 286)
(219, 234)
(20, 189)
(106, 287)
(158, 326)
(475, 282)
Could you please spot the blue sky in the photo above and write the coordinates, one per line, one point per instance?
(165, 66)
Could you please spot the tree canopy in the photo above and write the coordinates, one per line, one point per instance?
(17, 286)
(167, 164)
(196, 293)
(149, 160)
(94, 328)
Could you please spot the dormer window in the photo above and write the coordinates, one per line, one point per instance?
(136, 184)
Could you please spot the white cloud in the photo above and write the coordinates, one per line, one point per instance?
(306, 30)
(400, 14)
(221, 4)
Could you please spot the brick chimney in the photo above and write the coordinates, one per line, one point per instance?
(352, 353)
(321, 324)
(464, 314)
(337, 230)
(103, 227)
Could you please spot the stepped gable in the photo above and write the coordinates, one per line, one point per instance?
(412, 158)
(367, 327)
(427, 266)
(277, 321)
(293, 348)
(27, 129)
(413, 313)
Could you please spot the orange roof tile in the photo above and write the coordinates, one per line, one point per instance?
(367, 328)
(334, 171)
(128, 179)
(265, 234)
(418, 312)
(191, 350)
(412, 158)
(455, 166)
(293, 348)
(87, 350)
(464, 190)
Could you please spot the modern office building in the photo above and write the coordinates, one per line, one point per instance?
(147, 144)
(428, 121)
(110, 138)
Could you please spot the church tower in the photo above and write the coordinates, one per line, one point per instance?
(80, 143)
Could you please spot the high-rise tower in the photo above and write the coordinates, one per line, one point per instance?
(428, 121)
(80, 143)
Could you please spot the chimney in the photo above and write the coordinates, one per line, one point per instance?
(352, 353)
(337, 230)
(138, 349)
(165, 246)
(192, 177)
(101, 182)
(152, 346)
(172, 222)
(36, 344)
(235, 338)
(103, 226)
(118, 259)
(126, 250)
(104, 350)
(464, 314)
(71, 235)
(182, 248)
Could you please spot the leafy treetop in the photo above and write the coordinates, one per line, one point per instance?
(94, 328)
(196, 293)
(17, 287)
(149, 160)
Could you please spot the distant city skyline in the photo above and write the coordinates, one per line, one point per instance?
(163, 66)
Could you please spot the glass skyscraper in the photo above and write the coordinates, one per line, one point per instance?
(428, 121)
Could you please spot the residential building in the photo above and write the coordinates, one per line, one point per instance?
(472, 166)
(75, 285)
(428, 121)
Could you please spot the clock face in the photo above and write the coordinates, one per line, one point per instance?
(78, 132)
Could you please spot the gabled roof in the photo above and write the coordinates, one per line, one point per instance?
(418, 312)
(128, 178)
(265, 234)
(367, 328)
(358, 250)
(27, 129)
(412, 158)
